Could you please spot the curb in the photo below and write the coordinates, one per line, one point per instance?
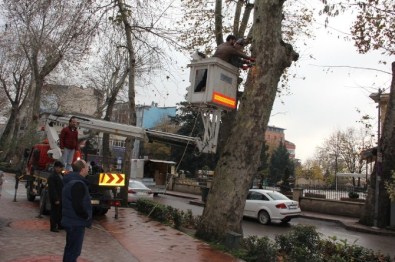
(182, 196)
(354, 226)
(347, 225)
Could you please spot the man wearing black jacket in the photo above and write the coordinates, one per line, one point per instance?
(76, 209)
(55, 186)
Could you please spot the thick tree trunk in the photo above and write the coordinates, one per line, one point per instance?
(131, 95)
(7, 136)
(241, 155)
(385, 168)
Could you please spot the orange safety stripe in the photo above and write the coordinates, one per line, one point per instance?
(224, 100)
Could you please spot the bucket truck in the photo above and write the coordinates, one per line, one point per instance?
(41, 157)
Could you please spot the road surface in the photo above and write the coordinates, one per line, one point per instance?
(328, 229)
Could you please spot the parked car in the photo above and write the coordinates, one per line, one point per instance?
(270, 206)
(138, 190)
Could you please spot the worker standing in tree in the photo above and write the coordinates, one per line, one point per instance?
(69, 142)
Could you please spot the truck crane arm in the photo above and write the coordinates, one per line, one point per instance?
(123, 130)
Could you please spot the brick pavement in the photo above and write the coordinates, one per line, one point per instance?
(132, 237)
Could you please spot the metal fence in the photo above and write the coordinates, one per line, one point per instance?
(332, 192)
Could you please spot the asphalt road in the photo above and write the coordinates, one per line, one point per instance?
(328, 229)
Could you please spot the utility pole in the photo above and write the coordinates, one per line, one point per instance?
(379, 160)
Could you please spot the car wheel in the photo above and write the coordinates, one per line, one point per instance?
(263, 217)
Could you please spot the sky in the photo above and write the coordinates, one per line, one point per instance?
(328, 99)
(322, 99)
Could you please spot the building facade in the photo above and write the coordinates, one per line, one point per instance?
(274, 136)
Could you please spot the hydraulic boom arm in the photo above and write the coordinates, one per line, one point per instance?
(208, 145)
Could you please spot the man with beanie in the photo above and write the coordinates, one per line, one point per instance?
(76, 209)
(55, 186)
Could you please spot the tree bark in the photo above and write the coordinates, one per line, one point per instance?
(388, 149)
(385, 168)
(131, 94)
(116, 86)
(6, 138)
(241, 155)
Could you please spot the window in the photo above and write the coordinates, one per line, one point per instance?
(256, 196)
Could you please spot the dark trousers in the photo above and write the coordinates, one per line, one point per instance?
(55, 216)
(74, 239)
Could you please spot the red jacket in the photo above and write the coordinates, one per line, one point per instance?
(69, 138)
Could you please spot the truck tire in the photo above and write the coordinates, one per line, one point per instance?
(99, 211)
(103, 211)
(29, 195)
(44, 201)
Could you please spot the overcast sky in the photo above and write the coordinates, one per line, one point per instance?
(324, 101)
(328, 99)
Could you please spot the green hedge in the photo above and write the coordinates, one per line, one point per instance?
(301, 244)
(167, 214)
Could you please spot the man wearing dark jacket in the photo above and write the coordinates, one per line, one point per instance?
(76, 209)
(55, 186)
(68, 139)
(227, 51)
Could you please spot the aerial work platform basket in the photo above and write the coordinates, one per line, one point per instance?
(213, 83)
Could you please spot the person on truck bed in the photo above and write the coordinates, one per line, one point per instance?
(69, 142)
(55, 186)
(76, 209)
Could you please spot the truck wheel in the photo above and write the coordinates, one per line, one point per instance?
(29, 195)
(103, 212)
(99, 211)
(43, 202)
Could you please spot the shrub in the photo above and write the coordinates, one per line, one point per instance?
(167, 214)
(254, 248)
(340, 251)
(300, 244)
(353, 195)
(152, 209)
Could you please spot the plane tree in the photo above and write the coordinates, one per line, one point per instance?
(240, 157)
(14, 81)
(142, 23)
(47, 34)
(373, 30)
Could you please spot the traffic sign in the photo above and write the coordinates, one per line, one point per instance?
(107, 179)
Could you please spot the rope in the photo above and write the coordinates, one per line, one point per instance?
(185, 149)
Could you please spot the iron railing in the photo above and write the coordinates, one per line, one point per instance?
(333, 192)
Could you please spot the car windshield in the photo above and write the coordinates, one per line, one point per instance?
(136, 184)
(277, 196)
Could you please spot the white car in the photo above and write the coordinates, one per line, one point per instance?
(138, 190)
(270, 206)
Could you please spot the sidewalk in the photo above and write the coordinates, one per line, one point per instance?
(131, 238)
(349, 223)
